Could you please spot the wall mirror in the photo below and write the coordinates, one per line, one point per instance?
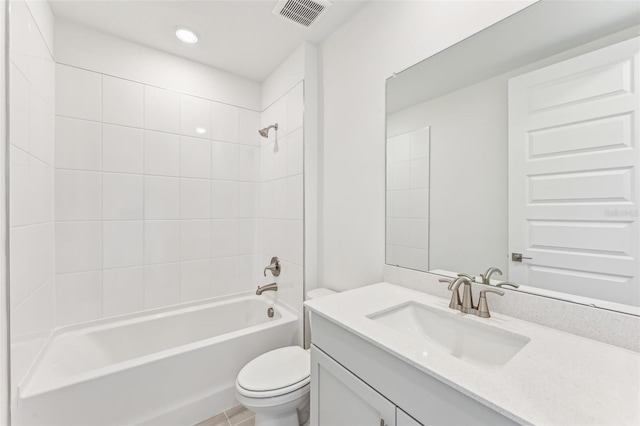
(517, 148)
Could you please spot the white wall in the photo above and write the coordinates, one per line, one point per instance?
(382, 38)
(4, 288)
(92, 50)
(32, 109)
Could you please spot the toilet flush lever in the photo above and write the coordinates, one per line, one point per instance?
(274, 267)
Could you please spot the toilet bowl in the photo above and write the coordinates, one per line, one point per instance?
(276, 384)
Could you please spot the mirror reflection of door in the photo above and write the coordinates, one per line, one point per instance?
(573, 176)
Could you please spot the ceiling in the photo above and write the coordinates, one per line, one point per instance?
(239, 36)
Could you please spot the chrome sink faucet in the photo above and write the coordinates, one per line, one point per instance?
(486, 277)
(467, 306)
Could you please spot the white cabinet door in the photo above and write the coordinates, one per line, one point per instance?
(338, 398)
(403, 419)
(573, 176)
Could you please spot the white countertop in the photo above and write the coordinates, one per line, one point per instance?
(557, 378)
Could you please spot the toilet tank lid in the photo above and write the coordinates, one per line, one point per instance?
(319, 292)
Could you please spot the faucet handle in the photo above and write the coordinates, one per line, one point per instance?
(483, 308)
(471, 277)
(454, 303)
(510, 284)
(274, 267)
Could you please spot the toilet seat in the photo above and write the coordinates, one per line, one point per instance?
(275, 373)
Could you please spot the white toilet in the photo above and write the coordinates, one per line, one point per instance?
(276, 384)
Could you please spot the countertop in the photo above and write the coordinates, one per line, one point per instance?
(557, 378)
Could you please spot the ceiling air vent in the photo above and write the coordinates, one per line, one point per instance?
(302, 12)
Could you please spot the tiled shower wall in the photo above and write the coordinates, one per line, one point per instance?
(155, 197)
(32, 103)
(282, 196)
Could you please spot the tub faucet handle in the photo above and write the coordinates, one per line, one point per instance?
(274, 267)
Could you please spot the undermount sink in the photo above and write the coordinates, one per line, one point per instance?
(452, 333)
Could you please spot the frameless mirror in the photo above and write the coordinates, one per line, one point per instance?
(518, 148)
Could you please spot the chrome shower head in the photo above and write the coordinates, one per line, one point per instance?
(265, 132)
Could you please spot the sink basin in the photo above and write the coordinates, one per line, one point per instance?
(452, 333)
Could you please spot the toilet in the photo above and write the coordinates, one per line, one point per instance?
(275, 385)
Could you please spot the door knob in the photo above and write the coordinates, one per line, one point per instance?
(517, 257)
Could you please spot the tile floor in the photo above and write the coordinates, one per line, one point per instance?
(236, 416)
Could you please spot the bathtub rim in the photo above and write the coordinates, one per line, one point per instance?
(288, 315)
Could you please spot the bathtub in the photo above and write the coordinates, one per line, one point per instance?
(168, 366)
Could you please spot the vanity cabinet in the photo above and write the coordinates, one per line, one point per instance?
(355, 383)
(340, 398)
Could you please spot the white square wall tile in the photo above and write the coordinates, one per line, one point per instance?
(78, 297)
(248, 272)
(195, 280)
(122, 149)
(77, 144)
(195, 157)
(247, 233)
(31, 260)
(295, 107)
(78, 93)
(161, 285)
(195, 199)
(295, 153)
(195, 239)
(225, 237)
(225, 200)
(225, 158)
(122, 101)
(41, 188)
(122, 196)
(195, 116)
(224, 275)
(161, 197)
(249, 124)
(419, 203)
(161, 241)
(225, 120)
(295, 242)
(122, 291)
(420, 173)
(36, 314)
(161, 154)
(249, 164)
(19, 109)
(295, 197)
(122, 244)
(77, 195)
(21, 203)
(247, 199)
(161, 110)
(41, 129)
(78, 246)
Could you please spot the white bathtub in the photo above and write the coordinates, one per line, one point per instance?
(170, 366)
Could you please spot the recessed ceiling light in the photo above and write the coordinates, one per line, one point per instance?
(186, 35)
(201, 130)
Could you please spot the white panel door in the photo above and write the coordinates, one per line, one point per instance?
(573, 177)
(339, 398)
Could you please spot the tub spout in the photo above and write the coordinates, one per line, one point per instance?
(268, 287)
